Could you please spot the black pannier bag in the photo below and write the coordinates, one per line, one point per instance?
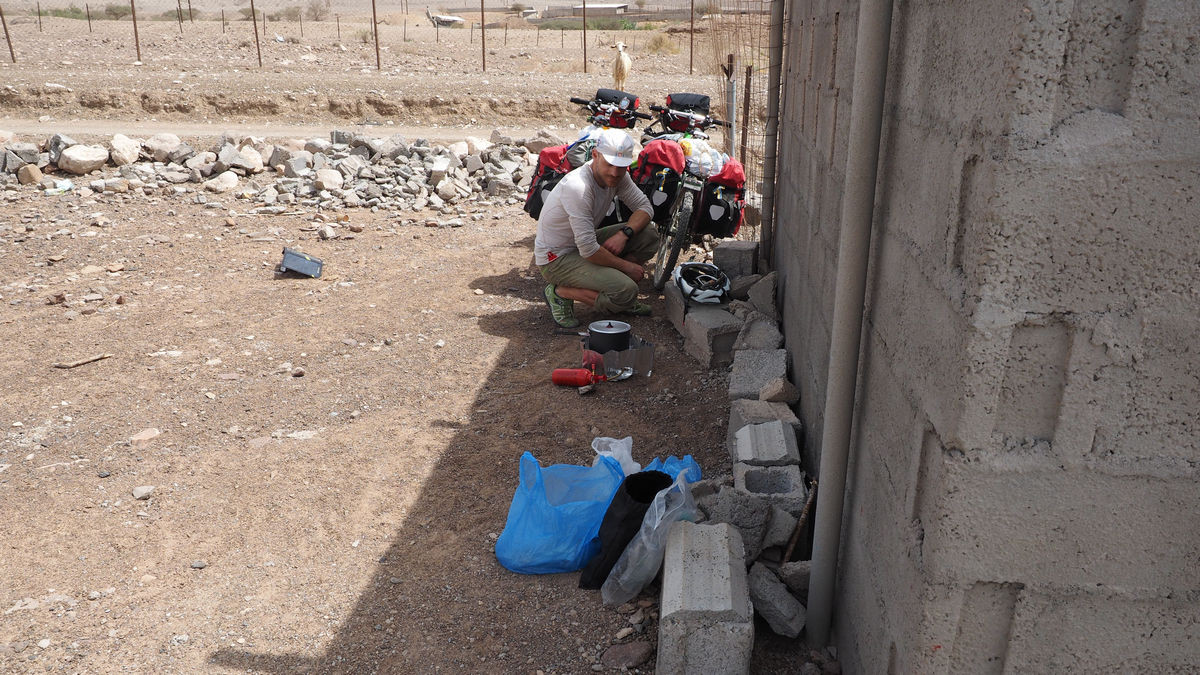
(722, 201)
(658, 174)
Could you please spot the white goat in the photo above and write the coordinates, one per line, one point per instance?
(621, 67)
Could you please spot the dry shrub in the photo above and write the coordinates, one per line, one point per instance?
(661, 44)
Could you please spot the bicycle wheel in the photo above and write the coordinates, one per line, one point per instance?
(672, 242)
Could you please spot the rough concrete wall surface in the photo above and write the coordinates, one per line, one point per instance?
(1023, 491)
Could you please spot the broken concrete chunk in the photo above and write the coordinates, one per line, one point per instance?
(783, 613)
(762, 294)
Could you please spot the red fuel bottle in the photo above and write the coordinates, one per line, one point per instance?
(573, 377)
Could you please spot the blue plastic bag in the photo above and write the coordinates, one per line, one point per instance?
(674, 465)
(555, 515)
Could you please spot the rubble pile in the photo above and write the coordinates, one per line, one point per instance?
(348, 170)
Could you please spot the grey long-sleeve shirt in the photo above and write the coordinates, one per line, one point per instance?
(577, 203)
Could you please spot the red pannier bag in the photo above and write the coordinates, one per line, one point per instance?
(551, 167)
(722, 201)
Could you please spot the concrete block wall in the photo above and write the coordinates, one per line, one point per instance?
(1023, 489)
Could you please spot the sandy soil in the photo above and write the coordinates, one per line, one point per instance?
(342, 520)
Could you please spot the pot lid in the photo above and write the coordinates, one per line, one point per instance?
(609, 327)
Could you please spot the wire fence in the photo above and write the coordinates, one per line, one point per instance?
(729, 36)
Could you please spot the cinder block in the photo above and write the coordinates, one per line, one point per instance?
(736, 258)
(781, 485)
(753, 369)
(759, 332)
(673, 298)
(749, 513)
(747, 411)
(773, 602)
(708, 335)
(768, 444)
(706, 623)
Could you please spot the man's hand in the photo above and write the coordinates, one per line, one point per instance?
(634, 271)
(616, 243)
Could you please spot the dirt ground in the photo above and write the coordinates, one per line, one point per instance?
(335, 456)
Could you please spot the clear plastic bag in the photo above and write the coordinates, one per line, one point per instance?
(639, 563)
(620, 449)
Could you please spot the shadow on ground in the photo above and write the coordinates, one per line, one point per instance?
(438, 600)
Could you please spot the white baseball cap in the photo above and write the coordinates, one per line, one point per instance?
(617, 147)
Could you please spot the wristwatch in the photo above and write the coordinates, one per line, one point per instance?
(627, 231)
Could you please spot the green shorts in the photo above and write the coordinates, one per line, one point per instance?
(618, 293)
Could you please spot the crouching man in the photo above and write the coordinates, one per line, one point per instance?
(599, 267)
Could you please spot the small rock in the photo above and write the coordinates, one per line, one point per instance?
(144, 436)
(326, 232)
(143, 491)
(180, 639)
(637, 617)
(297, 372)
(478, 291)
(624, 633)
(42, 644)
(29, 174)
(439, 344)
(104, 474)
(628, 655)
(199, 564)
(94, 595)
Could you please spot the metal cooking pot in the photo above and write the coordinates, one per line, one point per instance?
(608, 336)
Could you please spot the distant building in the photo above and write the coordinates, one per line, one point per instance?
(601, 9)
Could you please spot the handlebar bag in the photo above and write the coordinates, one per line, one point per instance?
(694, 103)
(552, 166)
(622, 99)
(721, 208)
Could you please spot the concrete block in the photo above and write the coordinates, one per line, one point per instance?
(708, 335)
(749, 513)
(758, 332)
(676, 306)
(780, 526)
(762, 295)
(781, 485)
(768, 444)
(706, 623)
(754, 368)
(747, 411)
(736, 258)
(795, 576)
(739, 288)
(773, 602)
(781, 390)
